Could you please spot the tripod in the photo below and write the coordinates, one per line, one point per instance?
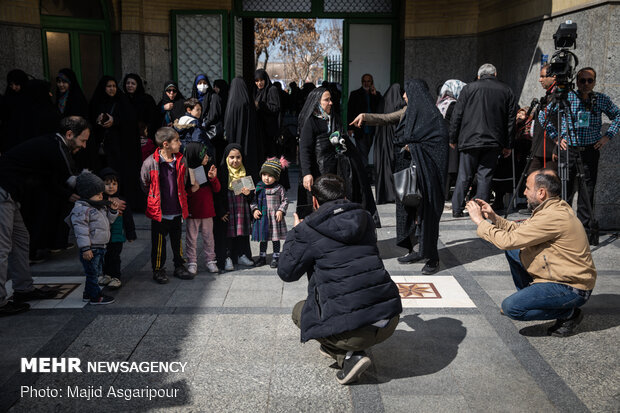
(560, 99)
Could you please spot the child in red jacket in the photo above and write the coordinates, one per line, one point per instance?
(201, 208)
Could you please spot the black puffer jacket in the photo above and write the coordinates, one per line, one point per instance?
(348, 287)
(484, 115)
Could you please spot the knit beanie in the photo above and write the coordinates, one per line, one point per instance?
(273, 167)
(88, 185)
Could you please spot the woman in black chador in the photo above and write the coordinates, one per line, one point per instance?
(171, 104)
(143, 103)
(423, 132)
(240, 126)
(392, 101)
(325, 148)
(268, 118)
(115, 141)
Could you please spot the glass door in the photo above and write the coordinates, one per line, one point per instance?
(82, 52)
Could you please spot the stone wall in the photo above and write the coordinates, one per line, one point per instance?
(516, 52)
(22, 49)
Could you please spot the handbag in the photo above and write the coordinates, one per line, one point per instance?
(406, 186)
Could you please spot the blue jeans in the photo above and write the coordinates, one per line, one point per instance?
(93, 269)
(539, 301)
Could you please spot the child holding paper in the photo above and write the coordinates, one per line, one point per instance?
(233, 208)
(200, 204)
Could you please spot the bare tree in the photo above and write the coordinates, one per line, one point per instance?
(266, 33)
(301, 47)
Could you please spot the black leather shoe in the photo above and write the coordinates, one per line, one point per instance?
(160, 276)
(458, 214)
(566, 328)
(431, 267)
(11, 308)
(260, 262)
(36, 294)
(182, 273)
(353, 368)
(409, 258)
(274, 263)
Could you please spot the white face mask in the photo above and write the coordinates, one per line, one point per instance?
(202, 88)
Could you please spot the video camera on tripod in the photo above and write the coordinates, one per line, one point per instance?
(563, 62)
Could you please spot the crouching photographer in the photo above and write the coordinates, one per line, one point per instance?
(352, 302)
(548, 254)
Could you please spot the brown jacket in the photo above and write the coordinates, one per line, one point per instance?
(382, 119)
(554, 246)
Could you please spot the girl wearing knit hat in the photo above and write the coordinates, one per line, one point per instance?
(268, 209)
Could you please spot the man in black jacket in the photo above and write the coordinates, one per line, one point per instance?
(366, 99)
(483, 123)
(46, 158)
(352, 302)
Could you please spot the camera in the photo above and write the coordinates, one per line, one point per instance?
(563, 62)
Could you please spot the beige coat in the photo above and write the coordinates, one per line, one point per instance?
(554, 246)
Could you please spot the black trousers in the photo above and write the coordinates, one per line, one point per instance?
(112, 259)
(238, 246)
(363, 142)
(480, 161)
(589, 157)
(159, 232)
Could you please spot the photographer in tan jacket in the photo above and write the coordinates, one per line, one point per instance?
(548, 254)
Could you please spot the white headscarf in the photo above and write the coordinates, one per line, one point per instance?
(449, 93)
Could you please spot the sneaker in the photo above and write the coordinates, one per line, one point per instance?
(409, 258)
(353, 368)
(274, 262)
(101, 300)
(566, 328)
(212, 267)
(431, 267)
(182, 273)
(85, 298)
(192, 268)
(104, 279)
(228, 265)
(262, 260)
(324, 352)
(245, 261)
(12, 307)
(160, 276)
(115, 283)
(36, 294)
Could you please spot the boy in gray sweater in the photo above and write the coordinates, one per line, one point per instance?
(91, 218)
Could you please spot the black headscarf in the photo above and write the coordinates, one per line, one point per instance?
(168, 116)
(260, 95)
(192, 153)
(195, 93)
(143, 103)
(311, 108)
(18, 77)
(426, 134)
(240, 126)
(35, 113)
(75, 103)
(224, 89)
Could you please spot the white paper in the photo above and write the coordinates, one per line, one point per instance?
(200, 177)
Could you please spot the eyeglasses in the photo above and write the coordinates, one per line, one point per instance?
(583, 80)
(171, 91)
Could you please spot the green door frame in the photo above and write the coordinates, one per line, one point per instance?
(75, 26)
(225, 19)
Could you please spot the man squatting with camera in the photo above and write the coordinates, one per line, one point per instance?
(585, 136)
(352, 302)
(548, 254)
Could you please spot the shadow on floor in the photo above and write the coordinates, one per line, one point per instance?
(600, 313)
(429, 348)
